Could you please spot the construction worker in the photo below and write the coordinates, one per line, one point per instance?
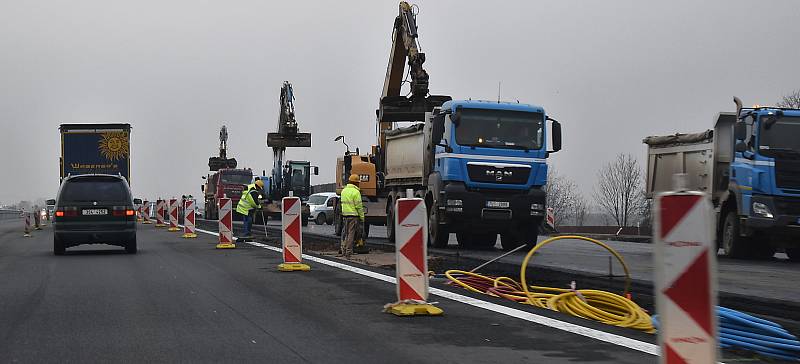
(352, 214)
(248, 203)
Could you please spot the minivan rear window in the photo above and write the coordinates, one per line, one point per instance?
(95, 189)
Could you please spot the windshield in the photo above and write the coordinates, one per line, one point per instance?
(781, 138)
(500, 129)
(317, 199)
(300, 175)
(95, 189)
(240, 179)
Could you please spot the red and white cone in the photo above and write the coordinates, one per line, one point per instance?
(160, 213)
(27, 224)
(173, 215)
(685, 280)
(188, 220)
(225, 209)
(139, 213)
(37, 216)
(292, 236)
(411, 237)
(146, 213)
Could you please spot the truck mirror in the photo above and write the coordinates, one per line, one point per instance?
(51, 202)
(741, 147)
(740, 130)
(556, 135)
(456, 117)
(137, 201)
(316, 170)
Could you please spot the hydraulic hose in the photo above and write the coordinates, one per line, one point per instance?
(738, 330)
(601, 306)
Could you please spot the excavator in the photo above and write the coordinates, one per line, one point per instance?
(226, 181)
(291, 176)
(394, 107)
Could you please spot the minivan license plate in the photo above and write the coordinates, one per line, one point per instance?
(95, 212)
(497, 204)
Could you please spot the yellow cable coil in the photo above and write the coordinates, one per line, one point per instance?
(606, 307)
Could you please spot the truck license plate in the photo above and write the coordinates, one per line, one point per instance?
(95, 212)
(497, 204)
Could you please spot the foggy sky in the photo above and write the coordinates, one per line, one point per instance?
(611, 71)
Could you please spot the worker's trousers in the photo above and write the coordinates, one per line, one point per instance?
(349, 234)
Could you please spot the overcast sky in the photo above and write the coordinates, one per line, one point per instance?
(611, 71)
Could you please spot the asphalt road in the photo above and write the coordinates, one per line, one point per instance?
(181, 300)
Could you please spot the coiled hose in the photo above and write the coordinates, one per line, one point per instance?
(601, 306)
(738, 330)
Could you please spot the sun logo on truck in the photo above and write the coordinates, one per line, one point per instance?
(114, 145)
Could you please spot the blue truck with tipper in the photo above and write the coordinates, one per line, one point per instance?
(749, 164)
(95, 149)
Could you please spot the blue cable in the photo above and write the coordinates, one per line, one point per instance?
(738, 330)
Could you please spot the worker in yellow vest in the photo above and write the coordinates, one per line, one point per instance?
(248, 203)
(352, 214)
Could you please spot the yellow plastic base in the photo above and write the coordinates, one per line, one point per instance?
(160, 225)
(146, 222)
(410, 309)
(226, 246)
(190, 235)
(291, 267)
(174, 229)
(27, 235)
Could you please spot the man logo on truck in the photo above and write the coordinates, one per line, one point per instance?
(114, 145)
(498, 174)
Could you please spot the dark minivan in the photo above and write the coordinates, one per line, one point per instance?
(94, 209)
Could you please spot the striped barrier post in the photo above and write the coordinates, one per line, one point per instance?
(173, 215)
(27, 224)
(188, 220)
(686, 286)
(411, 237)
(225, 210)
(139, 213)
(37, 216)
(551, 218)
(146, 213)
(160, 213)
(292, 236)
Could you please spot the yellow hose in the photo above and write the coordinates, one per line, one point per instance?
(606, 307)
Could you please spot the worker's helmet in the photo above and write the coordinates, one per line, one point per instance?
(260, 183)
(354, 178)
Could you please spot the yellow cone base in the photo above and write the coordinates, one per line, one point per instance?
(174, 229)
(160, 225)
(146, 222)
(190, 235)
(291, 267)
(27, 235)
(409, 309)
(226, 246)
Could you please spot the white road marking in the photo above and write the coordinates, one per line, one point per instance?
(615, 339)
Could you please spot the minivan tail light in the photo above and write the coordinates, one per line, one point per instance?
(129, 212)
(67, 212)
(59, 213)
(118, 211)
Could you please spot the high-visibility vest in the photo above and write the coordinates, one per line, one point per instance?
(246, 202)
(351, 202)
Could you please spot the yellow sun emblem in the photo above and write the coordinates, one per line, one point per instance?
(114, 145)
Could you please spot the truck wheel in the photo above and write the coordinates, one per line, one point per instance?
(438, 235)
(321, 218)
(58, 246)
(130, 245)
(734, 245)
(794, 254)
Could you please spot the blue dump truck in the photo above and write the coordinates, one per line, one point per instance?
(480, 166)
(95, 148)
(749, 164)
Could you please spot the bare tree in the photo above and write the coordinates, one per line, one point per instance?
(618, 190)
(561, 192)
(791, 100)
(579, 209)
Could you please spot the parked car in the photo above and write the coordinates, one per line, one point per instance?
(94, 209)
(321, 206)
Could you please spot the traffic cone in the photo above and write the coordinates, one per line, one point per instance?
(225, 224)
(27, 225)
(292, 236)
(188, 219)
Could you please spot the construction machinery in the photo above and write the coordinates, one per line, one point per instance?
(749, 164)
(226, 181)
(222, 161)
(292, 176)
(480, 166)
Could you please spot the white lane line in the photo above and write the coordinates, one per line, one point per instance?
(615, 339)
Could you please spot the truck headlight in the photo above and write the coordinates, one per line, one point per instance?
(455, 203)
(762, 210)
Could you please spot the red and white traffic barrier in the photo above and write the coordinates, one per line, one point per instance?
(551, 218)
(225, 209)
(188, 219)
(27, 224)
(146, 213)
(411, 237)
(139, 213)
(292, 236)
(160, 207)
(37, 216)
(686, 285)
(173, 215)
